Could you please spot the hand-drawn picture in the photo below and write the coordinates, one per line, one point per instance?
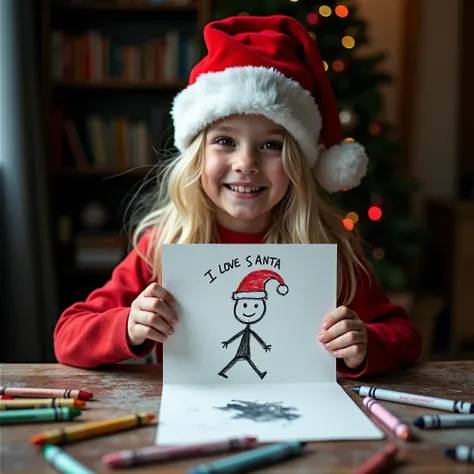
(249, 308)
(260, 412)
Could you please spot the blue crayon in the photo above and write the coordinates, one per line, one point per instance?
(252, 459)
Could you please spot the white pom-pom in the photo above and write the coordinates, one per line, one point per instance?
(282, 289)
(341, 167)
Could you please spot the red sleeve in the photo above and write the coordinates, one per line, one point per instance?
(94, 332)
(393, 340)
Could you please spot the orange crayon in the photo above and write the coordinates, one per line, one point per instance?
(31, 403)
(91, 429)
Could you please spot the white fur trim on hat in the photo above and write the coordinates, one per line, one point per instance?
(341, 167)
(253, 295)
(248, 90)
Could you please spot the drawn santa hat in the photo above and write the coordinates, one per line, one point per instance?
(270, 66)
(253, 285)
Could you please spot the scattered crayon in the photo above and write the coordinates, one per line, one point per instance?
(38, 415)
(45, 393)
(413, 399)
(5, 397)
(400, 429)
(379, 462)
(149, 454)
(63, 462)
(91, 429)
(252, 459)
(461, 453)
(444, 421)
(41, 403)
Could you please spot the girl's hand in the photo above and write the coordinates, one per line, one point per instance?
(345, 336)
(151, 316)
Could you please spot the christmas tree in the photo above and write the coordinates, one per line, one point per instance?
(379, 209)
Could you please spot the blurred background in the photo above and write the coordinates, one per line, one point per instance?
(86, 88)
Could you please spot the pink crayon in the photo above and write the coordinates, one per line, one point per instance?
(400, 429)
(149, 454)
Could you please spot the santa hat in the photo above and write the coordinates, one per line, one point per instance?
(253, 285)
(270, 66)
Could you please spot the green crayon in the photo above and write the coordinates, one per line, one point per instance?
(36, 415)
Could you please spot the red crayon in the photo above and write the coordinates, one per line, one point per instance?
(5, 397)
(45, 393)
(379, 462)
(149, 454)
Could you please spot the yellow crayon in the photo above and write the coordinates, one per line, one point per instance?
(41, 403)
(91, 429)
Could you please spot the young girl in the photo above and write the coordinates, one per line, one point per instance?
(259, 142)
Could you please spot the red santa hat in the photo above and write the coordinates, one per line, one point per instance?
(253, 285)
(270, 66)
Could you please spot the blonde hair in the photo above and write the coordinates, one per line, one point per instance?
(182, 213)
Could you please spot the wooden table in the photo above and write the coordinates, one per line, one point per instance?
(129, 388)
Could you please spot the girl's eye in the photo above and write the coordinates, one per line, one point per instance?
(272, 146)
(223, 141)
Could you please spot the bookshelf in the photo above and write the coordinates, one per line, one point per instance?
(110, 69)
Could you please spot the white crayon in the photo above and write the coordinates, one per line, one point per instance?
(414, 399)
(461, 453)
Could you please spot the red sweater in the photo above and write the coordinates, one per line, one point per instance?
(94, 332)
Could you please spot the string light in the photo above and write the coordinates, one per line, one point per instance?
(375, 129)
(353, 216)
(324, 10)
(378, 253)
(312, 35)
(294, 1)
(338, 65)
(341, 11)
(244, 13)
(349, 140)
(375, 213)
(348, 42)
(326, 65)
(312, 18)
(348, 224)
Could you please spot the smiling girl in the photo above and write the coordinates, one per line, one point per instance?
(260, 146)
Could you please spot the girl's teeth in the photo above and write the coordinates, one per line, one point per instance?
(242, 189)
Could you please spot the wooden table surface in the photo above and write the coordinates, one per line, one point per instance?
(124, 389)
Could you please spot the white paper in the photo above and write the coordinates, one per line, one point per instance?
(212, 284)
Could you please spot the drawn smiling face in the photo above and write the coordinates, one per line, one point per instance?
(249, 310)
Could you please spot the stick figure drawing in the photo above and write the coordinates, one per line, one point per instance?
(249, 308)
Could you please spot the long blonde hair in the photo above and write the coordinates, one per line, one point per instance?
(182, 213)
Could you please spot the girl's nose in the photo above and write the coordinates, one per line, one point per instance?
(245, 162)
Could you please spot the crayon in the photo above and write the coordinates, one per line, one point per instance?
(5, 397)
(252, 459)
(444, 421)
(41, 403)
(149, 454)
(379, 462)
(91, 429)
(38, 415)
(461, 453)
(400, 429)
(413, 399)
(45, 393)
(64, 462)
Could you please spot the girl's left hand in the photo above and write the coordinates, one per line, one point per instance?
(345, 336)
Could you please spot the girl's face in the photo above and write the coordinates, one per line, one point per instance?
(243, 171)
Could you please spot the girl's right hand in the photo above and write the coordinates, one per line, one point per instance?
(151, 316)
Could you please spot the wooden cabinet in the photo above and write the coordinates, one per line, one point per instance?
(449, 264)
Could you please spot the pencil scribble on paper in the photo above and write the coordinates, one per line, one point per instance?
(249, 308)
(260, 412)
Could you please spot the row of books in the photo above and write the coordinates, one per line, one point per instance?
(91, 56)
(98, 251)
(125, 2)
(119, 142)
